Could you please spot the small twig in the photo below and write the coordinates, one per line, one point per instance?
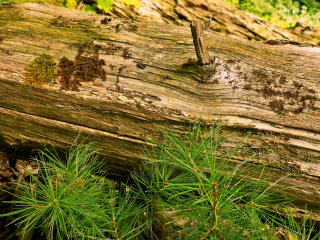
(80, 181)
(199, 43)
(80, 5)
(206, 25)
(115, 228)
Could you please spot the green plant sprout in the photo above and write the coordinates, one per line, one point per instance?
(40, 71)
(190, 188)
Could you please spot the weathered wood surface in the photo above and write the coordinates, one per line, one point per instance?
(270, 90)
(227, 19)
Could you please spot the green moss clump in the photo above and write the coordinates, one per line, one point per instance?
(41, 70)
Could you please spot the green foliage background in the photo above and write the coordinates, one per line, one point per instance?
(284, 13)
(106, 5)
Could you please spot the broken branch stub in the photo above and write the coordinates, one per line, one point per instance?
(199, 43)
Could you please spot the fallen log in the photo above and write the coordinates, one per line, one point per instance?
(153, 79)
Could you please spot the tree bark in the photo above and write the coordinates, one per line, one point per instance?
(153, 80)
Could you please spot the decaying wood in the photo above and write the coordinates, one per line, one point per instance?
(227, 19)
(152, 80)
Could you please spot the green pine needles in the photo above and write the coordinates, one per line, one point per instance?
(188, 189)
(200, 194)
(69, 201)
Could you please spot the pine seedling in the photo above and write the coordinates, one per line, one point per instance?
(68, 200)
(200, 192)
(62, 192)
